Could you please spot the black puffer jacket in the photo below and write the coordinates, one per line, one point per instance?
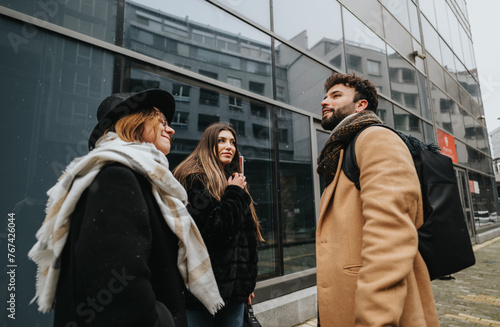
(229, 232)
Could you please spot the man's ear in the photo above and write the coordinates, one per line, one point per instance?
(361, 105)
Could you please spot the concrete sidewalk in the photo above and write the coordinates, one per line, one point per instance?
(472, 298)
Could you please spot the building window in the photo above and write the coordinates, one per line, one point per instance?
(144, 37)
(234, 81)
(354, 63)
(410, 100)
(180, 119)
(408, 76)
(142, 21)
(258, 110)
(337, 61)
(208, 73)
(394, 74)
(260, 132)
(250, 51)
(209, 98)
(414, 124)
(397, 96)
(206, 120)
(283, 135)
(280, 93)
(223, 43)
(257, 87)
(258, 68)
(158, 41)
(445, 105)
(239, 126)
(204, 38)
(374, 67)
(181, 92)
(382, 114)
(235, 104)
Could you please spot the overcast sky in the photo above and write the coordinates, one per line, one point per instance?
(484, 21)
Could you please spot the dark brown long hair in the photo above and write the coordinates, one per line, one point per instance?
(204, 161)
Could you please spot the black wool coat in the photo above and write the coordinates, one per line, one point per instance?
(229, 233)
(119, 264)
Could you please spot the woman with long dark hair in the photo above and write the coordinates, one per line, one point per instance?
(224, 212)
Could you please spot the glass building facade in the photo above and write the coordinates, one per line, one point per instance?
(259, 65)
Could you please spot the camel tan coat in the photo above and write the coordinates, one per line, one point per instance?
(369, 271)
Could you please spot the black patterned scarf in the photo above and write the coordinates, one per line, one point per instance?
(339, 139)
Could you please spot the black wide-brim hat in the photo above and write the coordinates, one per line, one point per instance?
(119, 105)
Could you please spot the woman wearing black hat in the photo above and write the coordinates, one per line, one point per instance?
(118, 247)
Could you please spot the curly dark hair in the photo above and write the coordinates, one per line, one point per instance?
(365, 89)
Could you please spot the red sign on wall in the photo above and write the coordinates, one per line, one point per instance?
(447, 144)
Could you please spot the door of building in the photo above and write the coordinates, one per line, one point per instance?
(463, 188)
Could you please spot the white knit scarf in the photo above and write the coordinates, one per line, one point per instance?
(193, 260)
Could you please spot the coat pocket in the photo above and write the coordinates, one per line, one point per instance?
(351, 269)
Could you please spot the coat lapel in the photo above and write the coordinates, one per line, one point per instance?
(328, 193)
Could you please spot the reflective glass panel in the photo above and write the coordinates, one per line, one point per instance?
(471, 131)
(95, 18)
(456, 42)
(480, 135)
(462, 153)
(436, 73)
(369, 12)
(298, 220)
(442, 107)
(207, 41)
(363, 45)
(448, 58)
(256, 10)
(423, 96)
(452, 87)
(384, 112)
(404, 82)
(252, 122)
(467, 81)
(415, 29)
(442, 22)
(457, 119)
(483, 200)
(396, 35)
(50, 91)
(408, 123)
(431, 39)
(399, 8)
(486, 146)
(298, 23)
(427, 8)
(467, 49)
(429, 135)
(299, 80)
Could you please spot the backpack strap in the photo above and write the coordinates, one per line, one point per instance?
(349, 163)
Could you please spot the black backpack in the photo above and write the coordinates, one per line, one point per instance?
(443, 239)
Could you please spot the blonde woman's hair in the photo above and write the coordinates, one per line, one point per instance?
(131, 127)
(204, 161)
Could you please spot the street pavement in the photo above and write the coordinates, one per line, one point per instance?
(472, 296)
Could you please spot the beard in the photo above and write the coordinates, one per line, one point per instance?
(337, 116)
